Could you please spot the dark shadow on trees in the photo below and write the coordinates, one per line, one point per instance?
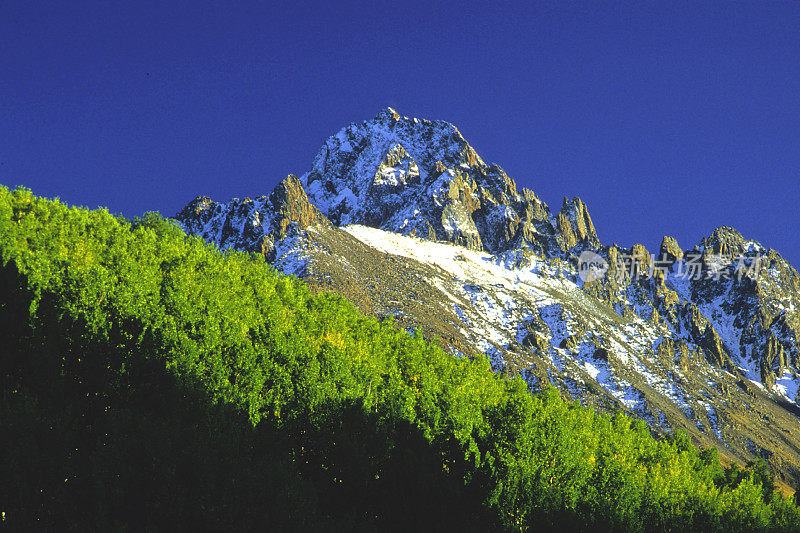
(97, 438)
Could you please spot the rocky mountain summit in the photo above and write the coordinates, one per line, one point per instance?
(401, 216)
(421, 178)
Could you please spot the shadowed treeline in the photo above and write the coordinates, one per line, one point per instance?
(87, 447)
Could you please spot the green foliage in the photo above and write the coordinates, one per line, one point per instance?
(154, 382)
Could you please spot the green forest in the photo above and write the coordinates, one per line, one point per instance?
(153, 382)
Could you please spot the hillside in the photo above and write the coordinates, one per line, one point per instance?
(152, 382)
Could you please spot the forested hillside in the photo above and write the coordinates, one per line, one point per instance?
(150, 381)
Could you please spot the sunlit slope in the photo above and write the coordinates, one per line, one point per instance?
(140, 360)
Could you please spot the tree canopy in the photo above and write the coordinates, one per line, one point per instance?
(151, 381)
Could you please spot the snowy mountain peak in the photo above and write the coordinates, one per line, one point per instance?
(420, 177)
(727, 241)
(350, 157)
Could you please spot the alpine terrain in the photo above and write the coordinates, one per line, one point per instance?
(402, 217)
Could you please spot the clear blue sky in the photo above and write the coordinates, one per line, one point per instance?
(665, 117)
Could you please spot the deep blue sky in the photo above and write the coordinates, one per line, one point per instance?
(666, 118)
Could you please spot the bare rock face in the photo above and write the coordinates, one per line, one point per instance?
(252, 225)
(289, 204)
(670, 251)
(402, 216)
(575, 225)
(396, 173)
(674, 352)
(640, 261)
(724, 241)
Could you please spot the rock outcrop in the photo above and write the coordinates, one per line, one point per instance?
(252, 225)
(670, 251)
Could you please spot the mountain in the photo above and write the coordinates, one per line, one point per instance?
(402, 217)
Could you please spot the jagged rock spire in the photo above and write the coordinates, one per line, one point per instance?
(576, 225)
(670, 250)
(387, 113)
(290, 205)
